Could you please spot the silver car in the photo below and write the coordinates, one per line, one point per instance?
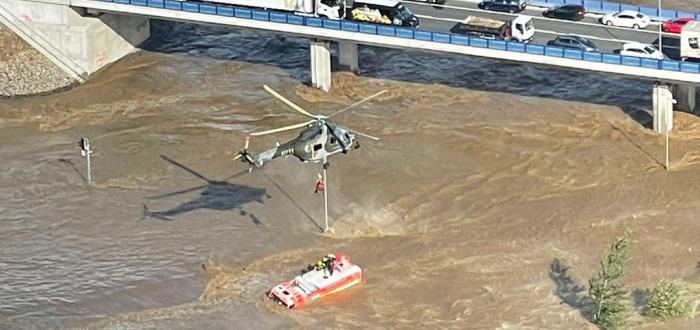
(573, 41)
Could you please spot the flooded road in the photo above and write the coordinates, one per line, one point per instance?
(486, 172)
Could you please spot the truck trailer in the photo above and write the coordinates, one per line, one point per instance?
(331, 9)
(690, 41)
(519, 29)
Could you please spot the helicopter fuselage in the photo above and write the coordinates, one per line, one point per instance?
(314, 143)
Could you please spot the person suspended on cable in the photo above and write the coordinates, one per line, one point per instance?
(320, 184)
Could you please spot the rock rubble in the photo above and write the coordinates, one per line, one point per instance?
(25, 71)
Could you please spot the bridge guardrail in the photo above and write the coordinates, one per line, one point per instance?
(399, 32)
(612, 7)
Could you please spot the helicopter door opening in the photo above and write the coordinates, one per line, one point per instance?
(315, 149)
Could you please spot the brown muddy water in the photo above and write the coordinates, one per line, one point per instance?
(486, 174)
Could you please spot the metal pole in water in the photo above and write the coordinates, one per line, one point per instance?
(88, 152)
(667, 145)
(85, 151)
(325, 190)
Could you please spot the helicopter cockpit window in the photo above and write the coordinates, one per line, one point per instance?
(317, 147)
(333, 140)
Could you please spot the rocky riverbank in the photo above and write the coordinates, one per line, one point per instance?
(25, 71)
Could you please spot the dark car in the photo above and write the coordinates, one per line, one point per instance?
(511, 6)
(574, 41)
(570, 12)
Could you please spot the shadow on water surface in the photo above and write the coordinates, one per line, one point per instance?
(70, 163)
(568, 290)
(286, 194)
(215, 195)
(291, 54)
(639, 298)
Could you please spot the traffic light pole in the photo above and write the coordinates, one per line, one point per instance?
(89, 174)
(85, 151)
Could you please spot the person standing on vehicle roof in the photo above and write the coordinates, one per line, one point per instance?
(320, 264)
(329, 262)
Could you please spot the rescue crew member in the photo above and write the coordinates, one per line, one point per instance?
(321, 263)
(320, 185)
(329, 263)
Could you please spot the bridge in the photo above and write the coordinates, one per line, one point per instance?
(82, 36)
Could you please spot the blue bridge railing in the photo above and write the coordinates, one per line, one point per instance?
(407, 33)
(611, 7)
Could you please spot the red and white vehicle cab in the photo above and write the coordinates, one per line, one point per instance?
(317, 283)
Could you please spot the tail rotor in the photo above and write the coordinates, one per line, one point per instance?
(244, 153)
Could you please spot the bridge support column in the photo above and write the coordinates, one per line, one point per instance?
(685, 95)
(347, 54)
(321, 64)
(663, 108)
(78, 43)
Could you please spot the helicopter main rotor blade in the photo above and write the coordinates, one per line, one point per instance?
(356, 104)
(365, 135)
(287, 102)
(281, 129)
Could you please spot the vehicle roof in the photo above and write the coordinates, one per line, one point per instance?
(522, 19)
(570, 5)
(636, 45)
(629, 12)
(691, 26)
(575, 36)
(388, 3)
(683, 19)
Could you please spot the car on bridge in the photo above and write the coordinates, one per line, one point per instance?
(626, 18)
(675, 25)
(638, 49)
(573, 41)
(569, 12)
(437, 2)
(511, 6)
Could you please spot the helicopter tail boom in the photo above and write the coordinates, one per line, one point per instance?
(256, 160)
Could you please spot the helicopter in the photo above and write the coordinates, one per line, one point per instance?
(319, 139)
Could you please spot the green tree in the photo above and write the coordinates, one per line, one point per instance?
(608, 295)
(668, 300)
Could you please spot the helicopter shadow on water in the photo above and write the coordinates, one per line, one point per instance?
(215, 195)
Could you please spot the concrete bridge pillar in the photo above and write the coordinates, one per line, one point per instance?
(77, 42)
(663, 108)
(321, 64)
(347, 53)
(685, 95)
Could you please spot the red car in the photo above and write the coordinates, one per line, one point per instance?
(675, 25)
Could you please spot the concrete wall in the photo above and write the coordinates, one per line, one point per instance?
(80, 44)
